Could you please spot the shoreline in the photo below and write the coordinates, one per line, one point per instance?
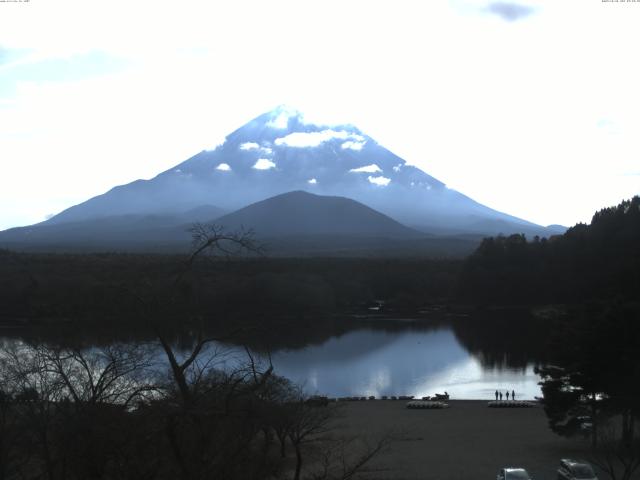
(364, 399)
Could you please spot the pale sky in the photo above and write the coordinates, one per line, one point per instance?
(531, 107)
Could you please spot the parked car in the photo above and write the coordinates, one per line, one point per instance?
(575, 470)
(514, 474)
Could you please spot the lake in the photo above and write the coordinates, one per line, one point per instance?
(417, 362)
(392, 358)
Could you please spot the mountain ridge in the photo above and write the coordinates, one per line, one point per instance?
(278, 152)
(292, 224)
(304, 213)
(263, 165)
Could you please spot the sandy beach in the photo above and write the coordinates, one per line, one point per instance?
(466, 441)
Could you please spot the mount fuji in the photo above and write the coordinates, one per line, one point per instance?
(276, 153)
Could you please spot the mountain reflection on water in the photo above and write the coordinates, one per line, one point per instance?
(469, 358)
(377, 362)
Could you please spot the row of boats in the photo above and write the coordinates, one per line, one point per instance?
(437, 397)
(510, 404)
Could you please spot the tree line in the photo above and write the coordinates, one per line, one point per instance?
(596, 261)
(591, 378)
(93, 289)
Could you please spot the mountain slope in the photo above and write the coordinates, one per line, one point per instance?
(279, 152)
(116, 232)
(291, 224)
(302, 213)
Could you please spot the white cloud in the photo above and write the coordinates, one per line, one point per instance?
(224, 167)
(183, 174)
(281, 121)
(373, 168)
(249, 146)
(281, 117)
(264, 164)
(312, 181)
(353, 145)
(380, 181)
(314, 139)
(396, 168)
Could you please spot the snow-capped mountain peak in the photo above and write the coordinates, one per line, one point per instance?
(281, 151)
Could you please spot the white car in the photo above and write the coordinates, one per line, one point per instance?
(575, 470)
(514, 474)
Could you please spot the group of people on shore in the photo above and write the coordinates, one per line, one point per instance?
(499, 395)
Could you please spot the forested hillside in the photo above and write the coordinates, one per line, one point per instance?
(596, 261)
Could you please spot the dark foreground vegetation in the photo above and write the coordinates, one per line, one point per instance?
(198, 422)
(109, 414)
(119, 412)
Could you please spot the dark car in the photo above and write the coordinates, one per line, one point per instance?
(511, 473)
(575, 470)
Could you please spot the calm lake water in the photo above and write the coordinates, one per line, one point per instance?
(405, 359)
(411, 362)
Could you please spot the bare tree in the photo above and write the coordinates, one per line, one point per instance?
(251, 392)
(346, 458)
(38, 393)
(616, 455)
(212, 242)
(308, 424)
(215, 431)
(71, 404)
(115, 375)
(321, 452)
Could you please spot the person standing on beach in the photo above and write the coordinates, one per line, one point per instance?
(496, 395)
(500, 395)
(513, 395)
(507, 395)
